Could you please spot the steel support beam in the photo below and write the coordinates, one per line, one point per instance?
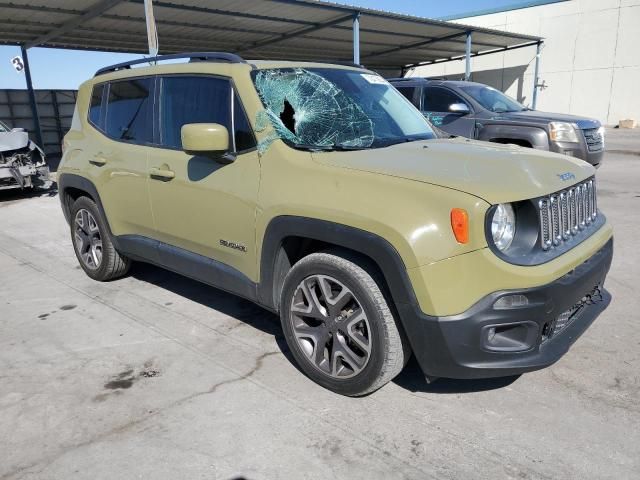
(32, 98)
(409, 46)
(536, 76)
(296, 33)
(467, 59)
(56, 113)
(95, 11)
(460, 57)
(356, 38)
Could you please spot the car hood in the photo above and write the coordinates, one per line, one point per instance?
(495, 173)
(13, 141)
(545, 117)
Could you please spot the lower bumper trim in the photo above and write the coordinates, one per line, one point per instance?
(487, 342)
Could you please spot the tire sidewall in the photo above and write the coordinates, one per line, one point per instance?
(107, 249)
(362, 381)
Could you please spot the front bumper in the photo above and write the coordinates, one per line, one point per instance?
(488, 342)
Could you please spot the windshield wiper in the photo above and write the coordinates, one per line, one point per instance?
(395, 141)
(327, 148)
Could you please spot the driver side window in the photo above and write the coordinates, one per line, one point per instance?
(438, 99)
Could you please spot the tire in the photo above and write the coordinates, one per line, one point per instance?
(92, 243)
(329, 300)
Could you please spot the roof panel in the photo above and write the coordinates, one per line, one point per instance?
(283, 29)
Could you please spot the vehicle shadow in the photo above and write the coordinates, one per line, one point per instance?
(412, 379)
(14, 194)
(211, 297)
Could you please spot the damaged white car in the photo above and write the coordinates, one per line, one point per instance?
(22, 162)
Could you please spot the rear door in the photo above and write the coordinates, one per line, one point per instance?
(207, 207)
(122, 111)
(436, 107)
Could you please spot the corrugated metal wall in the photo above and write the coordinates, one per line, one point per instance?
(55, 108)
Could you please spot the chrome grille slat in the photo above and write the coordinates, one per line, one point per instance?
(555, 220)
(545, 235)
(579, 205)
(594, 211)
(563, 214)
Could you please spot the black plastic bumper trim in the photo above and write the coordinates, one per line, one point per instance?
(453, 346)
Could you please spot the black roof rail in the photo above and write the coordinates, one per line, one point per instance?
(192, 56)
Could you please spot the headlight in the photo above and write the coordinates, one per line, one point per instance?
(562, 132)
(503, 226)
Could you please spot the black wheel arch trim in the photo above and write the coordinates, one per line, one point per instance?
(70, 180)
(378, 249)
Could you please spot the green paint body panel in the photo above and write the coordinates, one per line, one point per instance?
(403, 193)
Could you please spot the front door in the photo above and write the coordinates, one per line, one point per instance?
(437, 108)
(203, 206)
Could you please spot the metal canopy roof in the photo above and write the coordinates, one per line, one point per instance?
(256, 29)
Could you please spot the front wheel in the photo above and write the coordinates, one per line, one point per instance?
(338, 325)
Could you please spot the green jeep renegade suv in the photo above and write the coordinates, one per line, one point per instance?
(320, 193)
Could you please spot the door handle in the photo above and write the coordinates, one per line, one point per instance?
(162, 173)
(98, 160)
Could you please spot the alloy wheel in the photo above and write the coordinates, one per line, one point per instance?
(330, 326)
(87, 239)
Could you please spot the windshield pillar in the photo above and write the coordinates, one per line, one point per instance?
(356, 38)
(467, 59)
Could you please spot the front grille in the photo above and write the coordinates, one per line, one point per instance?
(565, 213)
(594, 139)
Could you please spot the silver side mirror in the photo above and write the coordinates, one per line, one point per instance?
(459, 108)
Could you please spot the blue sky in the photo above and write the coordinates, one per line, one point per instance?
(51, 68)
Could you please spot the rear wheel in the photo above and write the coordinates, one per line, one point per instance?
(93, 247)
(338, 325)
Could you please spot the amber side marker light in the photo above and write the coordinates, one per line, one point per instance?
(460, 224)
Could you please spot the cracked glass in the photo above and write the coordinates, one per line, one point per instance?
(334, 109)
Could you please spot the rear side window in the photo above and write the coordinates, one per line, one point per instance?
(129, 108)
(436, 99)
(243, 133)
(95, 107)
(186, 100)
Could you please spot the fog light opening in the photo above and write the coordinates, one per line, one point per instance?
(510, 337)
(491, 334)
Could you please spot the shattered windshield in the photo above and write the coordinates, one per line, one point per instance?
(492, 99)
(335, 109)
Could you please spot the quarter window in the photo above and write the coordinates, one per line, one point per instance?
(437, 99)
(95, 107)
(129, 108)
(186, 100)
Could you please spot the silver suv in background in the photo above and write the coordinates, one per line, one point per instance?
(475, 110)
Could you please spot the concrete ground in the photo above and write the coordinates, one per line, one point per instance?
(156, 376)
